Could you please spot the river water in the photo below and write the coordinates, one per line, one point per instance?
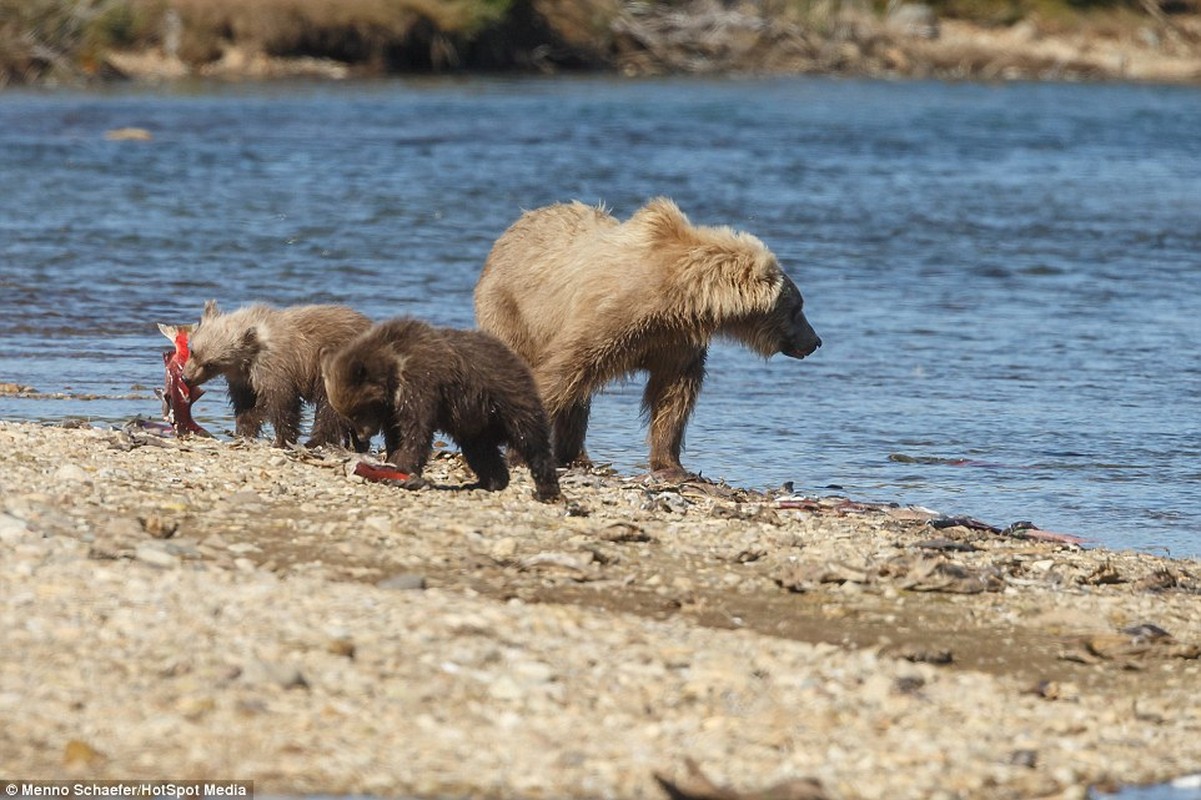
(1007, 278)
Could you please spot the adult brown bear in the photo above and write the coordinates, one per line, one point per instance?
(586, 299)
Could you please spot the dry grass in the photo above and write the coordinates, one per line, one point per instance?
(59, 39)
(65, 39)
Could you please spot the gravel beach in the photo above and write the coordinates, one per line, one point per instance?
(199, 609)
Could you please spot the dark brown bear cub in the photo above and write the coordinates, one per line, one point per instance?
(411, 379)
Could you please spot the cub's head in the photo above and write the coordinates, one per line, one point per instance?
(360, 384)
(222, 343)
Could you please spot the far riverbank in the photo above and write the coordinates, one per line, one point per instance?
(220, 39)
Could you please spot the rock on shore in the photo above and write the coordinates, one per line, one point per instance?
(200, 609)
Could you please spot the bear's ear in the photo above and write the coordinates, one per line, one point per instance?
(359, 374)
(250, 339)
(210, 310)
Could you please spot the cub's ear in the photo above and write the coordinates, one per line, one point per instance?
(359, 374)
(210, 310)
(250, 339)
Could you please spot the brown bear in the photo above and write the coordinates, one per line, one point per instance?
(586, 299)
(271, 360)
(411, 379)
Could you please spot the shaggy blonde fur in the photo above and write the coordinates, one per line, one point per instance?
(586, 299)
(271, 361)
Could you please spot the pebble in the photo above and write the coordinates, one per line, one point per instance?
(241, 548)
(152, 554)
(322, 667)
(378, 523)
(72, 473)
(12, 529)
(503, 549)
(403, 582)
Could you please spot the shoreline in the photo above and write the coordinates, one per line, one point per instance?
(962, 50)
(200, 609)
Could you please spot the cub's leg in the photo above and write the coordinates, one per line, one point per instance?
(484, 458)
(528, 435)
(357, 443)
(328, 426)
(248, 416)
(284, 415)
(408, 439)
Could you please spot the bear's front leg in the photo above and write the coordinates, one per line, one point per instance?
(407, 444)
(670, 397)
(248, 416)
(358, 443)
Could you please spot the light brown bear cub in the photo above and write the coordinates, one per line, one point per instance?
(585, 300)
(411, 379)
(271, 361)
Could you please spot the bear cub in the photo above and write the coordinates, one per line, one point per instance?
(271, 361)
(410, 379)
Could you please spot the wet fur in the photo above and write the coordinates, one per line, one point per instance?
(411, 379)
(271, 361)
(586, 299)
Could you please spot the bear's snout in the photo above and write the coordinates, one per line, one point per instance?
(805, 350)
(803, 341)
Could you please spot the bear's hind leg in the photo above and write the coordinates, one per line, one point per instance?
(329, 427)
(281, 407)
(529, 438)
(546, 479)
(485, 460)
(570, 427)
(285, 418)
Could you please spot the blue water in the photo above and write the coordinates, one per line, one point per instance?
(1008, 275)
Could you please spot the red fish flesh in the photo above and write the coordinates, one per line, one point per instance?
(176, 395)
(380, 472)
